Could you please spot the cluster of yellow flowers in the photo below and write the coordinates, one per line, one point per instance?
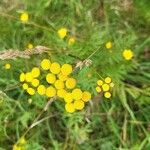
(20, 144)
(104, 86)
(59, 83)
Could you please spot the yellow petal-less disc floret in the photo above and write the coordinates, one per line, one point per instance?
(78, 104)
(7, 66)
(61, 93)
(100, 82)
(25, 86)
(35, 82)
(22, 141)
(66, 69)
(41, 89)
(98, 89)
(68, 98)
(71, 41)
(35, 72)
(24, 17)
(62, 77)
(105, 87)
(55, 68)
(50, 78)
(107, 94)
(31, 91)
(22, 77)
(59, 84)
(86, 96)
(45, 64)
(28, 77)
(62, 32)
(71, 83)
(107, 79)
(127, 54)
(30, 46)
(50, 91)
(16, 147)
(70, 107)
(108, 45)
(77, 94)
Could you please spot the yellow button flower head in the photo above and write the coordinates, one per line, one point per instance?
(15, 147)
(22, 77)
(22, 141)
(107, 94)
(86, 96)
(30, 46)
(50, 91)
(45, 64)
(35, 72)
(25, 86)
(61, 93)
(24, 17)
(62, 32)
(77, 94)
(66, 69)
(98, 89)
(62, 77)
(50, 78)
(71, 41)
(31, 91)
(105, 87)
(59, 84)
(7, 66)
(68, 98)
(55, 68)
(108, 45)
(35, 82)
(70, 107)
(107, 79)
(71, 83)
(28, 77)
(100, 82)
(78, 104)
(127, 54)
(41, 89)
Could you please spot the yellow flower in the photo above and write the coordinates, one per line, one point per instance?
(35, 72)
(41, 89)
(22, 77)
(50, 78)
(86, 96)
(15, 147)
(71, 83)
(50, 91)
(78, 104)
(127, 54)
(77, 94)
(22, 141)
(55, 68)
(31, 91)
(98, 89)
(7, 66)
(61, 93)
(105, 87)
(68, 98)
(107, 79)
(70, 107)
(62, 32)
(107, 94)
(100, 82)
(24, 17)
(62, 77)
(59, 84)
(28, 77)
(45, 64)
(30, 46)
(35, 82)
(25, 86)
(71, 41)
(108, 45)
(66, 69)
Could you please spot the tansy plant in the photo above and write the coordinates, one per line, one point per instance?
(58, 83)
